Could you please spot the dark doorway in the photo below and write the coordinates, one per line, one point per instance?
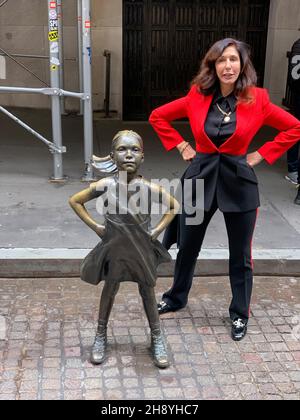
(164, 41)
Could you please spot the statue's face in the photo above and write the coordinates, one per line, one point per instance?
(128, 154)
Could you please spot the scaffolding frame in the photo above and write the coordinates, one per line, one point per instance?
(56, 91)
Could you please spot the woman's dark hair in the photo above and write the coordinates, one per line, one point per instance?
(207, 80)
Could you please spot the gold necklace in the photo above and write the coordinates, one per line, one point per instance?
(227, 114)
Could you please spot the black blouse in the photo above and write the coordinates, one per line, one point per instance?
(215, 127)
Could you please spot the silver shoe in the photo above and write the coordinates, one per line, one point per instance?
(158, 348)
(98, 352)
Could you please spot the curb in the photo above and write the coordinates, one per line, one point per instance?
(65, 262)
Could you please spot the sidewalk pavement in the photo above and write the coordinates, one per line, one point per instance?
(41, 236)
(47, 327)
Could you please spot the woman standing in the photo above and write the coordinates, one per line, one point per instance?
(225, 111)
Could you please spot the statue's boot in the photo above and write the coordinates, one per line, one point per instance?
(158, 348)
(98, 352)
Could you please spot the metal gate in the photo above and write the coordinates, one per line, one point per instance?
(164, 41)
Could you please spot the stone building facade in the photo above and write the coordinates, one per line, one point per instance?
(24, 30)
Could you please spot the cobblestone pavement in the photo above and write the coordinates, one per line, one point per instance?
(48, 326)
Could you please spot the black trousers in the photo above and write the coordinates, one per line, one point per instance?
(240, 228)
(293, 159)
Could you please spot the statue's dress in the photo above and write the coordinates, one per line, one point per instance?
(126, 251)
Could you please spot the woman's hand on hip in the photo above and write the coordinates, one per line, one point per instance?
(189, 153)
(254, 159)
(186, 151)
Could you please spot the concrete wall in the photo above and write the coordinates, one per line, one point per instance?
(23, 29)
(284, 30)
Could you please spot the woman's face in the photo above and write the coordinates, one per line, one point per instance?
(128, 154)
(228, 67)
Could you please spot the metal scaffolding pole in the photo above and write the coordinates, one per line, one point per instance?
(52, 147)
(87, 88)
(45, 91)
(61, 53)
(79, 41)
(54, 81)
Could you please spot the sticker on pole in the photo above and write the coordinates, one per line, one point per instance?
(53, 67)
(52, 14)
(53, 25)
(54, 60)
(54, 47)
(87, 24)
(53, 36)
(52, 4)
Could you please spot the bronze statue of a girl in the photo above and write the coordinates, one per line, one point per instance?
(129, 249)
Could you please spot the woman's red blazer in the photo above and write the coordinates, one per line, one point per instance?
(249, 119)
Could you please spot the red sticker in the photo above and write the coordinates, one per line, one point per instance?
(87, 24)
(52, 4)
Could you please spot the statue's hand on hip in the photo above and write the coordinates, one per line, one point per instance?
(100, 230)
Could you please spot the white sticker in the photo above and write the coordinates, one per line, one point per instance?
(53, 25)
(52, 14)
(55, 61)
(54, 47)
